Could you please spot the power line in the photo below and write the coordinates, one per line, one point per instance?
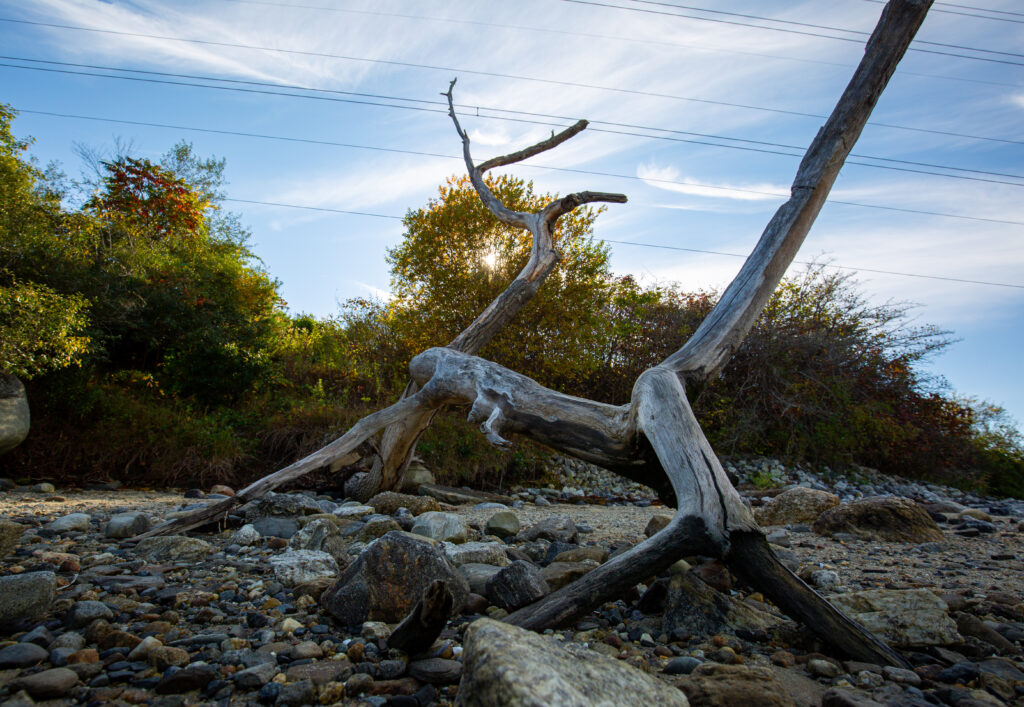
(313, 208)
(665, 247)
(618, 38)
(419, 153)
(794, 23)
(759, 143)
(936, 8)
(980, 9)
(831, 265)
(805, 33)
(521, 120)
(493, 74)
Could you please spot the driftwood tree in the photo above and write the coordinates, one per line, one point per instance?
(655, 439)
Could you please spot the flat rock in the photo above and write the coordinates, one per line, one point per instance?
(446, 527)
(903, 617)
(476, 553)
(886, 518)
(509, 666)
(555, 529)
(436, 671)
(796, 505)
(300, 566)
(720, 685)
(49, 684)
(321, 672)
(172, 548)
(275, 526)
(26, 596)
(388, 578)
(388, 502)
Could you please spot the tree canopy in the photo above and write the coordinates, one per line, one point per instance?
(456, 258)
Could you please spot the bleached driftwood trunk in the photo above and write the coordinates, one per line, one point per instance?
(655, 439)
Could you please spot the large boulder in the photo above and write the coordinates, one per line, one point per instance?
(796, 505)
(388, 578)
(509, 666)
(885, 518)
(908, 618)
(14, 414)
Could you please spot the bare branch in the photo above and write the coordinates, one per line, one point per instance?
(339, 449)
(720, 334)
(542, 146)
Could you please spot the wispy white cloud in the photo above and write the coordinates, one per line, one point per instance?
(359, 186)
(375, 291)
(669, 179)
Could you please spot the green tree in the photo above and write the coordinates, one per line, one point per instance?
(456, 258)
(41, 329)
(191, 304)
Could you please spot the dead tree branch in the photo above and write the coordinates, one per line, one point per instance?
(656, 438)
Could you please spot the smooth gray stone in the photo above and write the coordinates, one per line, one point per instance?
(22, 655)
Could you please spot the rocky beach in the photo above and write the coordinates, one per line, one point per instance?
(294, 599)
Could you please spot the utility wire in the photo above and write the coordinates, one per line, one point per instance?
(794, 23)
(618, 38)
(805, 33)
(419, 153)
(831, 265)
(571, 119)
(936, 8)
(493, 74)
(663, 247)
(520, 120)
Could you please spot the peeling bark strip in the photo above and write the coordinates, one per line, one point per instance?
(655, 439)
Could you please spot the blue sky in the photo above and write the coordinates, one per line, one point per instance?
(630, 69)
